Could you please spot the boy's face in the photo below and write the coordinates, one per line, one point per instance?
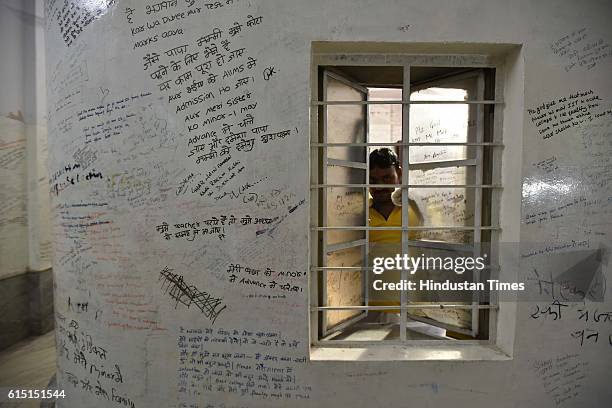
(384, 175)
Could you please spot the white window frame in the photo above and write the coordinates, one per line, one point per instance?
(499, 346)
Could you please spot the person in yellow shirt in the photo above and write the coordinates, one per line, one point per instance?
(386, 211)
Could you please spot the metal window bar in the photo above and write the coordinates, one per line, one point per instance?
(344, 245)
(407, 102)
(439, 305)
(346, 163)
(313, 278)
(495, 206)
(405, 161)
(366, 202)
(357, 185)
(443, 164)
(478, 201)
(405, 203)
(419, 228)
(325, 198)
(449, 246)
(356, 144)
(370, 268)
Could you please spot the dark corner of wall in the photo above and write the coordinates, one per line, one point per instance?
(26, 306)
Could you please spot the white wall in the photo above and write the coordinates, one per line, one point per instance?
(13, 144)
(110, 124)
(24, 223)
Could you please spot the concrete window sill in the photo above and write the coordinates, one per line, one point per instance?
(419, 351)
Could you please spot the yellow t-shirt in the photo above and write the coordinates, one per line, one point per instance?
(394, 220)
(387, 244)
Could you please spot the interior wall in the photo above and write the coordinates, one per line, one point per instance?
(13, 224)
(127, 181)
(25, 245)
